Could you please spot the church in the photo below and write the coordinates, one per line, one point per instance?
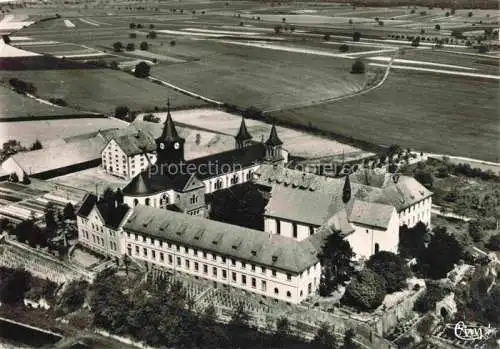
(164, 179)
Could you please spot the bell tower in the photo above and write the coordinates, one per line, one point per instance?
(243, 138)
(273, 146)
(169, 146)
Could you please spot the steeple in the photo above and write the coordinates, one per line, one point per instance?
(243, 137)
(346, 191)
(169, 132)
(273, 139)
(169, 146)
(273, 146)
(138, 186)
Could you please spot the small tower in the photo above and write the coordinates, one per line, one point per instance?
(169, 146)
(243, 138)
(346, 191)
(273, 146)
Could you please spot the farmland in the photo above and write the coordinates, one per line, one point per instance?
(428, 112)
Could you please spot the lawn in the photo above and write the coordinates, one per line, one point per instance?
(256, 76)
(101, 90)
(435, 113)
(14, 105)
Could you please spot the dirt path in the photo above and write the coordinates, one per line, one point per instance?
(186, 92)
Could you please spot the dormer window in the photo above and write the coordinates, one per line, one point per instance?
(275, 259)
(254, 253)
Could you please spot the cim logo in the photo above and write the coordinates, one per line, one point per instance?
(473, 333)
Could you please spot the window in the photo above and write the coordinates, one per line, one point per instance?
(233, 262)
(253, 267)
(274, 273)
(309, 288)
(214, 271)
(288, 294)
(235, 179)
(196, 267)
(223, 259)
(178, 247)
(205, 269)
(179, 261)
(193, 199)
(143, 239)
(254, 283)
(278, 227)
(244, 279)
(233, 276)
(294, 227)
(276, 291)
(214, 256)
(195, 252)
(162, 257)
(205, 255)
(170, 259)
(218, 184)
(377, 247)
(289, 277)
(263, 285)
(187, 264)
(311, 231)
(136, 249)
(145, 252)
(243, 265)
(263, 270)
(153, 254)
(224, 274)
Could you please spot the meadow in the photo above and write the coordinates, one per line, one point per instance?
(434, 113)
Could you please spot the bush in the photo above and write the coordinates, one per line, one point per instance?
(326, 37)
(343, 48)
(366, 291)
(130, 47)
(433, 294)
(132, 25)
(122, 112)
(142, 70)
(476, 231)
(437, 27)
(494, 242)
(483, 49)
(151, 35)
(392, 268)
(144, 46)
(132, 35)
(172, 42)
(358, 67)
(356, 36)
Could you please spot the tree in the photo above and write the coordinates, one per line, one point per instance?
(151, 26)
(343, 48)
(50, 220)
(122, 111)
(132, 35)
(470, 14)
(443, 252)
(144, 46)
(36, 145)
(113, 65)
(483, 49)
(437, 27)
(356, 36)
(118, 46)
(73, 296)
(172, 42)
(416, 42)
(151, 35)
(130, 47)
(14, 283)
(335, 256)
(283, 330)
(358, 67)
(325, 338)
(476, 231)
(424, 176)
(366, 291)
(142, 70)
(69, 211)
(278, 28)
(326, 37)
(494, 242)
(132, 25)
(412, 240)
(392, 268)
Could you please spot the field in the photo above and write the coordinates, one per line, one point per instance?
(435, 113)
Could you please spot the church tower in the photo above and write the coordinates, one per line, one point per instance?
(243, 138)
(273, 146)
(169, 146)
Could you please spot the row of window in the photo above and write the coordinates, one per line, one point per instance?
(205, 255)
(99, 240)
(294, 229)
(205, 269)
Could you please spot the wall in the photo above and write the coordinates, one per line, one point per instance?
(93, 234)
(364, 238)
(286, 228)
(420, 211)
(117, 163)
(244, 175)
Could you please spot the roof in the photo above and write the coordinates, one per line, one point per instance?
(112, 215)
(169, 132)
(369, 213)
(138, 143)
(400, 192)
(243, 134)
(254, 246)
(46, 159)
(273, 137)
(156, 179)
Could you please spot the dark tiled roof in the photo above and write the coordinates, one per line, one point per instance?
(139, 185)
(111, 213)
(370, 213)
(138, 143)
(273, 137)
(150, 181)
(228, 240)
(243, 134)
(169, 132)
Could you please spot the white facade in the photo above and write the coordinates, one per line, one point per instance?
(418, 212)
(367, 240)
(224, 270)
(117, 163)
(227, 180)
(93, 234)
(160, 200)
(295, 230)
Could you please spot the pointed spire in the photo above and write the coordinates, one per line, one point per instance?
(273, 139)
(169, 132)
(243, 134)
(346, 192)
(139, 185)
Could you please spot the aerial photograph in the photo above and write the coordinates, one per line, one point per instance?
(315, 174)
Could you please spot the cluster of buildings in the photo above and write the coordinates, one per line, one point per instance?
(162, 219)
